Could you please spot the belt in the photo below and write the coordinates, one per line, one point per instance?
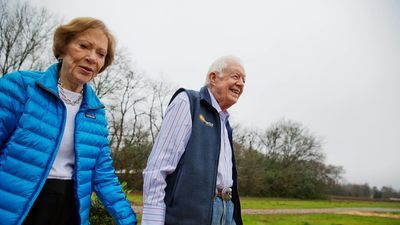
(224, 193)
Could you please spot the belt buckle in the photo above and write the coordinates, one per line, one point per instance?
(226, 193)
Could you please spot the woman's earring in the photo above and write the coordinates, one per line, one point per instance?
(60, 60)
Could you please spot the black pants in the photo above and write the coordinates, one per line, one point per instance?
(55, 205)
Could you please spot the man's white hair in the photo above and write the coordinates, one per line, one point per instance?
(220, 64)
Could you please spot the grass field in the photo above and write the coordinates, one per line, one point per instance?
(136, 198)
(280, 203)
(317, 219)
(307, 219)
(313, 219)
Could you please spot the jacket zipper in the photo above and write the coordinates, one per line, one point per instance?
(43, 180)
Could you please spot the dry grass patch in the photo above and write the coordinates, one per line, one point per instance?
(376, 214)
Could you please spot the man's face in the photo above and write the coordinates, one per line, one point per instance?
(228, 86)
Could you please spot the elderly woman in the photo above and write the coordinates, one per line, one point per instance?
(54, 149)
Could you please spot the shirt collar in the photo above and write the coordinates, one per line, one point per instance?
(223, 114)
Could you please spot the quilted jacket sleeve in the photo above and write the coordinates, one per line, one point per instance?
(12, 100)
(108, 189)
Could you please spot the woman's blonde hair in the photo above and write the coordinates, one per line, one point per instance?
(65, 33)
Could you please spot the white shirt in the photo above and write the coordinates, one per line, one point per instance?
(63, 165)
(167, 151)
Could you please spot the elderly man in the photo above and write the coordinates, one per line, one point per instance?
(191, 178)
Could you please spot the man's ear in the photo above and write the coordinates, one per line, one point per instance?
(212, 77)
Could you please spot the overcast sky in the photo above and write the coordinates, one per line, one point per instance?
(333, 66)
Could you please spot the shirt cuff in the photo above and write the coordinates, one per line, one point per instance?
(153, 215)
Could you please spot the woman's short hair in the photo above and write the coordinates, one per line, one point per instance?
(65, 33)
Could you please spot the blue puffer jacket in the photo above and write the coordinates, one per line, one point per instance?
(32, 120)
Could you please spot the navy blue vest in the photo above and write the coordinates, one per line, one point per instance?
(190, 190)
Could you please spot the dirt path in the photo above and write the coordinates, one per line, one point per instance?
(378, 214)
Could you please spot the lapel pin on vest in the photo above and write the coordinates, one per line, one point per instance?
(203, 120)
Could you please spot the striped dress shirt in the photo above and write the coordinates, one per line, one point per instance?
(167, 151)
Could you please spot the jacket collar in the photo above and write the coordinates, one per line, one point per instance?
(49, 83)
(205, 95)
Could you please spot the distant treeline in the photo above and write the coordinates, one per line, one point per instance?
(285, 160)
(364, 191)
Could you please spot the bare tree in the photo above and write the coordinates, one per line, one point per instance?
(249, 162)
(247, 139)
(159, 96)
(110, 81)
(123, 91)
(25, 35)
(290, 141)
(131, 95)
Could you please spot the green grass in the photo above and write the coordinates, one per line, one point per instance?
(136, 198)
(317, 219)
(279, 203)
(139, 219)
(313, 219)
(307, 219)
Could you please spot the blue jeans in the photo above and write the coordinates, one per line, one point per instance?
(222, 212)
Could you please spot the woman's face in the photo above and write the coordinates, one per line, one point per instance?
(83, 58)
